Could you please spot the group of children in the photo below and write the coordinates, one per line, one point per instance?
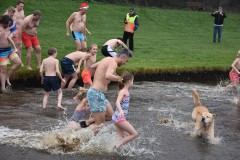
(51, 79)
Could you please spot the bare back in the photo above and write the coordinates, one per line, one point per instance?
(79, 22)
(50, 66)
(99, 81)
(236, 64)
(76, 56)
(29, 26)
(4, 42)
(113, 43)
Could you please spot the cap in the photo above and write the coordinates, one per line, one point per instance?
(84, 6)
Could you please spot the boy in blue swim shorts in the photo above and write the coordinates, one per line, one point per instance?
(52, 77)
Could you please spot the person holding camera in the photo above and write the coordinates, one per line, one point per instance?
(218, 24)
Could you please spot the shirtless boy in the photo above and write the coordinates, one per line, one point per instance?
(52, 77)
(28, 33)
(110, 45)
(234, 73)
(78, 27)
(87, 71)
(104, 74)
(19, 14)
(67, 64)
(6, 52)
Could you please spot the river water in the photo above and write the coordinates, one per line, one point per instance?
(160, 112)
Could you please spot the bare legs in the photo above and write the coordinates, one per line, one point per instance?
(80, 45)
(29, 56)
(122, 127)
(17, 63)
(73, 80)
(3, 77)
(45, 99)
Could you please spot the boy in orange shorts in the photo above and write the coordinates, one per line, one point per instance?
(87, 71)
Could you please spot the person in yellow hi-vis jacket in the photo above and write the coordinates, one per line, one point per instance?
(131, 25)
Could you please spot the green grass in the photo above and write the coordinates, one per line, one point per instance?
(166, 41)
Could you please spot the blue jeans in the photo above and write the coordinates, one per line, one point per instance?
(217, 30)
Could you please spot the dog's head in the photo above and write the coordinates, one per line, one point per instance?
(207, 119)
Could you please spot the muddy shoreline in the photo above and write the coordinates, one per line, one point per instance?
(210, 77)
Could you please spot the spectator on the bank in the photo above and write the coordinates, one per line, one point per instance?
(131, 26)
(218, 24)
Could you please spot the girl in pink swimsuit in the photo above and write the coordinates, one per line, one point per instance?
(119, 117)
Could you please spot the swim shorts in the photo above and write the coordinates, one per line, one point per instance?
(78, 36)
(107, 51)
(51, 83)
(67, 66)
(86, 76)
(119, 120)
(233, 76)
(78, 115)
(5, 55)
(29, 41)
(96, 100)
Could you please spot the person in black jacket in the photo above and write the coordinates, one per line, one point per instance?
(218, 24)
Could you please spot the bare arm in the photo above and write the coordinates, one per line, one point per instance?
(11, 41)
(234, 64)
(24, 25)
(122, 44)
(88, 32)
(110, 73)
(79, 66)
(69, 20)
(119, 99)
(41, 71)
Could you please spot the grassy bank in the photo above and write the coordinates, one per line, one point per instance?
(167, 40)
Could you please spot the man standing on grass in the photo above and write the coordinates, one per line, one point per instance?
(28, 33)
(131, 25)
(78, 27)
(218, 24)
(19, 14)
(104, 74)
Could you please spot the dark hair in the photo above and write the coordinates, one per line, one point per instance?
(51, 51)
(5, 19)
(20, 1)
(124, 51)
(37, 13)
(126, 76)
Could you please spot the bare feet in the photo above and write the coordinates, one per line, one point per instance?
(8, 81)
(29, 68)
(60, 107)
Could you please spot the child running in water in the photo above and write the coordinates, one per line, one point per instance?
(77, 121)
(52, 78)
(119, 117)
(88, 71)
(234, 73)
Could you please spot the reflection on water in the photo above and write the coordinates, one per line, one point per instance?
(160, 111)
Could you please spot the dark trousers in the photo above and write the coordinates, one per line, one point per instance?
(126, 36)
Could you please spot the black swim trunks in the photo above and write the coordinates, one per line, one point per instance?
(51, 83)
(67, 66)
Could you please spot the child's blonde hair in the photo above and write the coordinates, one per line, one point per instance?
(11, 9)
(238, 54)
(91, 46)
(81, 94)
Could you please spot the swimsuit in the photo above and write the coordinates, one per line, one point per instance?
(78, 115)
(96, 100)
(29, 41)
(67, 66)
(233, 76)
(51, 83)
(6, 54)
(125, 105)
(14, 28)
(107, 51)
(78, 36)
(86, 76)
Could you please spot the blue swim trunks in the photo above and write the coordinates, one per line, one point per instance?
(96, 100)
(5, 55)
(67, 66)
(51, 83)
(78, 36)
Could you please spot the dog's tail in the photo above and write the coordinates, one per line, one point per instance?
(196, 98)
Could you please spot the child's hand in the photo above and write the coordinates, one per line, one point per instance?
(42, 81)
(121, 114)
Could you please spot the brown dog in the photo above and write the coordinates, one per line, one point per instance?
(204, 121)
